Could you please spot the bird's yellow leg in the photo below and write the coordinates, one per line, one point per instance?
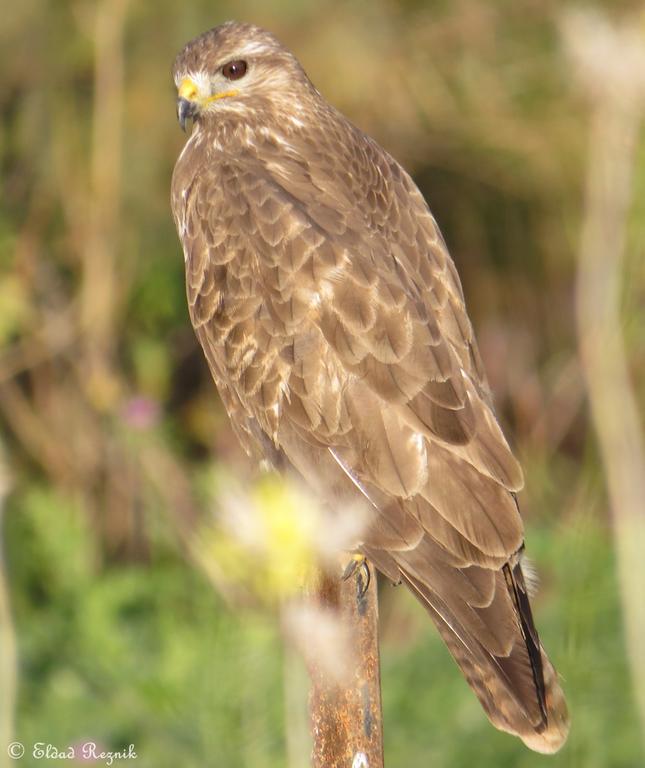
(357, 566)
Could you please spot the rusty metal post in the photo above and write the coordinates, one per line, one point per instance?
(346, 720)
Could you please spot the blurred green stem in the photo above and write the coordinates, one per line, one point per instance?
(295, 706)
(7, 641)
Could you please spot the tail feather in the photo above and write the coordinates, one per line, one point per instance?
(519, 691)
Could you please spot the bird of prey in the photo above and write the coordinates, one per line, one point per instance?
(334, 324)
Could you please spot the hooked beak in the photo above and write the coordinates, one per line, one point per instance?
(186, 110)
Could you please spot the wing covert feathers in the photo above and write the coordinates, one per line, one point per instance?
(334, 324)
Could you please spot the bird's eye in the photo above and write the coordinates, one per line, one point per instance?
(234, 70)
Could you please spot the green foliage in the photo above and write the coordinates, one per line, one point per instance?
(142, 654)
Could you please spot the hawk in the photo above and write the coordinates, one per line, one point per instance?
(334, 325)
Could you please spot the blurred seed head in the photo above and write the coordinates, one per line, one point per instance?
(608, 58)
(322, 638)
(270, 540)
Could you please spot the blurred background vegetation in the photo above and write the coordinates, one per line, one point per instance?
(112, 432)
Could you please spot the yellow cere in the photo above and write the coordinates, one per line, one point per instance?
(187, 89)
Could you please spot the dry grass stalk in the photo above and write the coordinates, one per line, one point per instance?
(610, 63)
(100, 289)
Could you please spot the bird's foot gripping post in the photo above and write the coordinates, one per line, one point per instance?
(346, 720)
(360, 569)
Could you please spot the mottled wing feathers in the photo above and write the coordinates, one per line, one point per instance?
(334, 324)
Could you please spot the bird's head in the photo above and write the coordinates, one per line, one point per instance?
(234, 68)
